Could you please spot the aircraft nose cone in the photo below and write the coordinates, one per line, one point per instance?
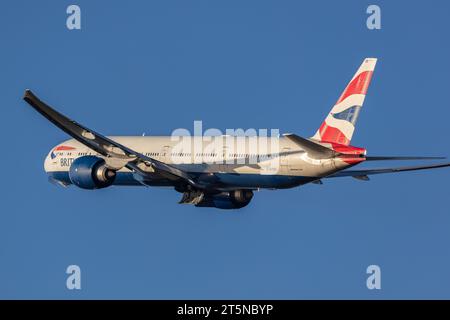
(48, 162)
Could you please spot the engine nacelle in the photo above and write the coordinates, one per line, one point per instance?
(90, 172)
(227, 200)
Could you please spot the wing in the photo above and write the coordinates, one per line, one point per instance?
(363, 174)
(116, 155)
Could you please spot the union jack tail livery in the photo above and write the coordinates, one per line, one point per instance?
(339, 125)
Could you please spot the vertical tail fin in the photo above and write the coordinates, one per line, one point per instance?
(339, 125)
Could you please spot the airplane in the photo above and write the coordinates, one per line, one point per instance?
(226, 178)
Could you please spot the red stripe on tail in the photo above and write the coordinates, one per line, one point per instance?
(358, 85)
(332, 134)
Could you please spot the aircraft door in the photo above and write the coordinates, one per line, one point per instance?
(284, 159)
(165, 154)
(224, 158)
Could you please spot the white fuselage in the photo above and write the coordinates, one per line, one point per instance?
(253, 159)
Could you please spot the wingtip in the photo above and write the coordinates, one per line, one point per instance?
(28, 95)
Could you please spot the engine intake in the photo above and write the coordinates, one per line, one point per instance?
(90, 172)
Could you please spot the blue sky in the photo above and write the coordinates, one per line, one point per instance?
(154, 66)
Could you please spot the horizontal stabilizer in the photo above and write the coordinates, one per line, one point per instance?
(361, 173)
(379, 158)
(313, 149)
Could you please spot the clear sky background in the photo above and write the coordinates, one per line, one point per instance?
(154, 66)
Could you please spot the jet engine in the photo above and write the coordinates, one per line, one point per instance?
(227, 200)
(90, 172)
